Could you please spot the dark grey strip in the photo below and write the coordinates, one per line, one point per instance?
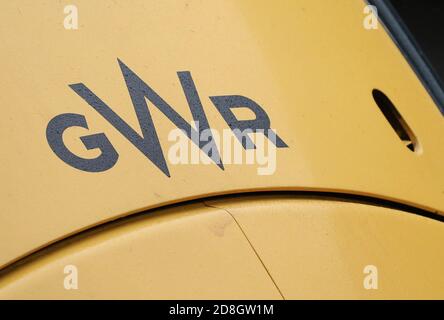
(411, 50)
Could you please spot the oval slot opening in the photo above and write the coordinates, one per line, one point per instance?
(395, 119)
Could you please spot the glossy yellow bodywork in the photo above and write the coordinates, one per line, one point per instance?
(310, 64)
(192, 252)
(319, 248)
(267, 247)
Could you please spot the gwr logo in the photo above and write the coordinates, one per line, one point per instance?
(148, 143)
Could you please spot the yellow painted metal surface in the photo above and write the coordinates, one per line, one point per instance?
(310, 64)
(191, 252)
(319, 248)
(303, 249)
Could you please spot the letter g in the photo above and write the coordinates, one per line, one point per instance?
(54, 134)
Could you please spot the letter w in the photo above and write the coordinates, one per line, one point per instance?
(149, 143)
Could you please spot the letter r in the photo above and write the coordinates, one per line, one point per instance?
(224, 104)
